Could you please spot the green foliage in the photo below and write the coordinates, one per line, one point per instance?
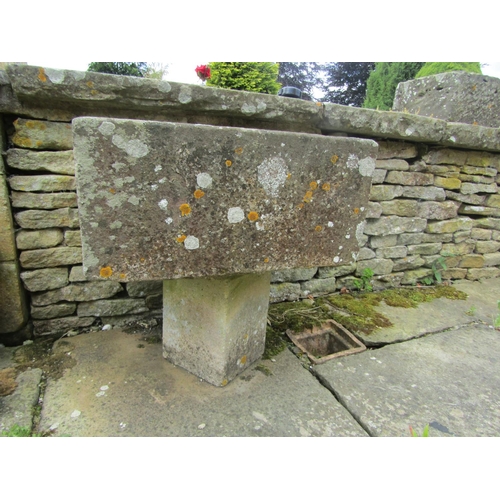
(437, 266)
(250, 76)
(383, 80)
(425, 432)
(119, 68)
(435, 68)
(363, 284)
(17, 431)
(345, 82)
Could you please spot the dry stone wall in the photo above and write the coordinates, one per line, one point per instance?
(429, 203)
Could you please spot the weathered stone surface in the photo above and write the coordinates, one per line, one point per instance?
(471, 199)
(387, 281)
(438, 210)
(53, 311)
(483, 159)
(73, 238)
(347, 282)
(60, 325)
(46, 201)
(144, 288)
(495, 235)
(252, 209)
(487, 246)
(7, 245)
(454, 274)
(76, 274)
(424, 193)
(490, 172)
(50, 257)
(436, 260)
(378, 176)
(394, 225)
(378, 266)
(460, 236)
(392, 252)
(477, 210)
(46, 238)
(416, 239)
(58, 162)
(473, 188)
(412, 277)
(293, 275)
(478, 179)
(45, 279)
(444, 170)
(480, 234)
(450, 226)
(41, 219)
(472, 260)
(479, 274)
(13, 310)
(409, 178)
(469, 97)
(37, 134)
(493, 200)
(462, 248)
(447, 182)
(487, 223)
(318, 287)
(425, 248)
(403, 208)
(48, 183)
(491, 259)
(410, 262)
(116, 307)
(395, 149)
(384, 192)
(154, 301)
(282, 292)
(78, 292)
(374, 210)
(389, 240)
(446, 156)
(365, 254)
(332, 272)
(392, 165)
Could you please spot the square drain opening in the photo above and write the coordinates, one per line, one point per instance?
(329, 341)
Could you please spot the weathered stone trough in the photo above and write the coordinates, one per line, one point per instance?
(212, 211)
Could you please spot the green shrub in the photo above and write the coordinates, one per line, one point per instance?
(435, 68)
(250, 76)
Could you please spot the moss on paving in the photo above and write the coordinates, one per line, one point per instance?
(356, 312)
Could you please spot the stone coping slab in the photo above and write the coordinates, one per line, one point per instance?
(119, 389)
(65, 94)
(449, 380)
(166, 200)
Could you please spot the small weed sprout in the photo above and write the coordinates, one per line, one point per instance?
(364, 283)
(414, 433)
(497, 320)
(438, 266)
(471, 311)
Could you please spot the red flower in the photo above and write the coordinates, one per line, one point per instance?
(203, 72)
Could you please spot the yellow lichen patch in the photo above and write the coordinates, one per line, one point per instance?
(41, 75)
(313, 185)
(90, 84)
(289, 175)
(238, 151)
(38, 144)
(23, 141)
(253, 216)
(475, 123)
(142, 259)
(228, 163)
(318, 104)
(180, 238)
(30, 124)
(123, 276)
(326, 186)
(300, 206)
(356, 211)
(224, 382)
(318, 229)
(105, 272)
(112, 190)
(334, 159)
(243, 360)
(185, 209)
(266, 260)
(94, 92)
(199, 194)
(308, 197)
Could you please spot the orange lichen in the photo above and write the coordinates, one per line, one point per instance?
(185, 209)
(199, 194)
(289, 175)
(243, 360)
(228, 163)
(41, 75)
(334, 159)
(180, 238)
(105, 272)
(326, 186)
(142, 259)
(123, 276)
(90, 84)
(356, 211)
(318, 104)
(112, 190)
(318, 228)
(475, 123)
(238, 151)
(313, 185)
(94, 92)
(253, 216)
(308, 197)
(266, 260)
(30, 124)
(300, 206)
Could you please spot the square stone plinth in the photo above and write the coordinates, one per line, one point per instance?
(215, 327)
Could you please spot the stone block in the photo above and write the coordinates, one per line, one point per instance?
(450, 226)
(403, 208)
(472, 260)
(425, 248)
(76, 274)
(462, 248)
(447, 182)
(383, 192)
(409, 178)
(424, 193)
(485, 273)
(471, 199)
(393, 224)
(392, 165)
(493, 200)
(374, 210)
(45, 238)
(378, 266)
(483, 159)
(154, 301)
(446, 156)
(478, 179)
(378, 176)
(473, 188)
(480, 234)
(45, 279)
(333, 272)
(7, 245)
(347, 282)
(282, 292)
(215, 327)
(51, 257)
(478, 210)
(144, 288)
(460, 236)
(41, 219)
(47, 183)
(490, 172)
(454, 274)
(395, 149)
(392, 252)
(44, 135)
(436, 210)
(53, 311)
(416, 239)
(78, 292)
(388, 240)
(444, 170)
(365, 254)
(73, 238)
(116, 307)
(388, 281)
(253, 209)
(57, 162)
(487, 246)
(318, 287)
(495, 235)
(488, 223)
(13, 310)
(293, 275)
(415, 275)
(410, 262)
(491, 259)
(60, 325)
(44, 201)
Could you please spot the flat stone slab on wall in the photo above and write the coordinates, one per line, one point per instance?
(162, 200)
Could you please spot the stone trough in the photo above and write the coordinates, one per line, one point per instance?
(212, 211)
